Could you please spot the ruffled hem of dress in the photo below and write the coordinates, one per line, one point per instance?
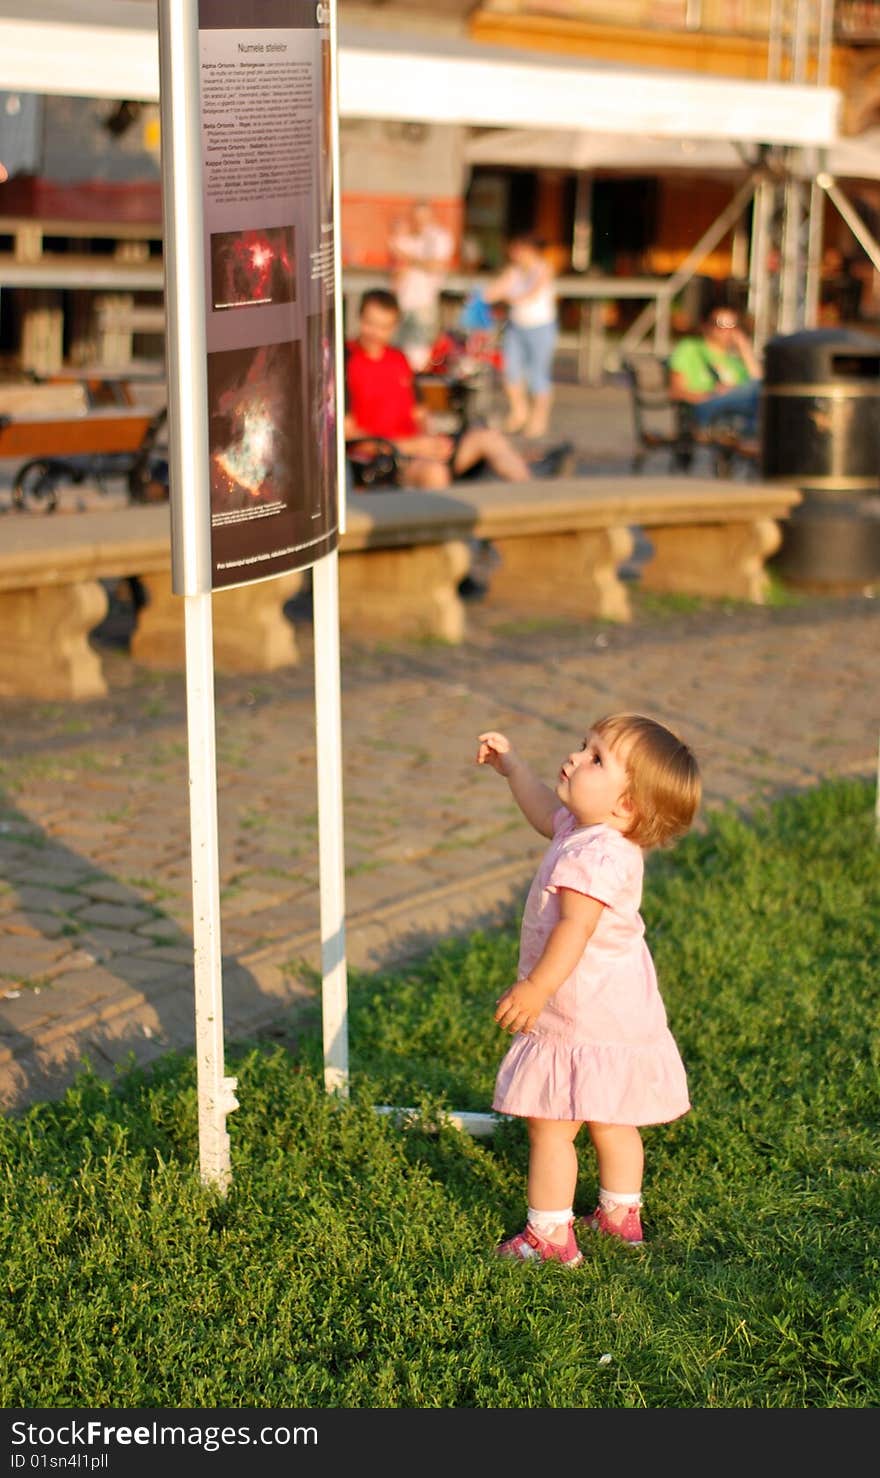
(544, 1077)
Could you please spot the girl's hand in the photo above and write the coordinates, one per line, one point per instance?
(519, 1007)
(496, 750)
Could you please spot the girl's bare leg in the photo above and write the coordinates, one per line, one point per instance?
(539, 416)
(553, 1168)
(620, 1157)
(517, 407)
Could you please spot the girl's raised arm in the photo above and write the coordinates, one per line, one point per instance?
(536, 800)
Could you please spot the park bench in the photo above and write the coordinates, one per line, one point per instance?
(403, 556)
(69, 429)
(665, 427)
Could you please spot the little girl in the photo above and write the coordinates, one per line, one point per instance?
(591, 1041)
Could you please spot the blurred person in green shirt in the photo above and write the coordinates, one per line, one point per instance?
(717, 374)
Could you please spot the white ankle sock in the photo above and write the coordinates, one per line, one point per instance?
(609, 1199)
(545, 1222)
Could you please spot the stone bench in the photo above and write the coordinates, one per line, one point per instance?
(562, 542)
(402, 557)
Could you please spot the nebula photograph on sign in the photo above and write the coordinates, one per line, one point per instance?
(255, 426)
(253, 268)
(320, 339)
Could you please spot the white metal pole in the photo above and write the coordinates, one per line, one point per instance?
(191, 546)
(216, 1094)
(582, 230)
(328, 734)
(790, 313)
(850, 215)
(815, 238)
(328, 712)
(762, 287)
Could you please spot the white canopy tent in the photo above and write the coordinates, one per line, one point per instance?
(460, 82)
(581, 149)
(855, 158)
(585, 149)
(108, 48)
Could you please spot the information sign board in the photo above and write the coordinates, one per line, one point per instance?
(267, 195)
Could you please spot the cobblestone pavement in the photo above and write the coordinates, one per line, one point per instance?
(95, 881)
(95, 891)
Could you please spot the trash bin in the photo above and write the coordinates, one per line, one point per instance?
(820, 431)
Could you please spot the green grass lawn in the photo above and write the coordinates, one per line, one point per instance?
(350, 1264)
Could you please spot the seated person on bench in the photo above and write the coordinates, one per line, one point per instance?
(381, 401)
(717, 375)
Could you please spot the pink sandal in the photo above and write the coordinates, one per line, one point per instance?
(628, 1230)
(528, 1246)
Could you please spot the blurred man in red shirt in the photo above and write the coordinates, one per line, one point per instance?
(381, 401)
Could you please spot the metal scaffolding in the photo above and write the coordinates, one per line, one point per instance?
(785, 193)
(787, 219)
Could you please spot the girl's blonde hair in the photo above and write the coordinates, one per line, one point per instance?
(664, 777)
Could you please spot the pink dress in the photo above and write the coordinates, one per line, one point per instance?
(600, 1050)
